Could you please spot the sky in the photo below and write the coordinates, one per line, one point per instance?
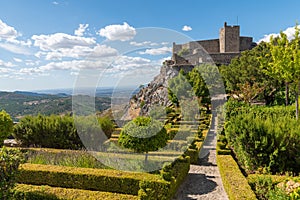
(54, 44)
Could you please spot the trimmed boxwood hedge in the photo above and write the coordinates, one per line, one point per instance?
(83, 178)
(145, 185)
(235, 184)
(173, 175)
(23, 191)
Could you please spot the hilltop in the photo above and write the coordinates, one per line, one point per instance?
(20, 103)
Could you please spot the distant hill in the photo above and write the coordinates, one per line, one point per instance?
(20, 103)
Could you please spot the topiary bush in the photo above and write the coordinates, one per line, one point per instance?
(143, 134)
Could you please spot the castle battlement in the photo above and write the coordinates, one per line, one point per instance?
(229, 45)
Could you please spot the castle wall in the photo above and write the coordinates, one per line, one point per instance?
(220, 51)
(245, 43)
(223, 58)
(229, 39)
(211, 46)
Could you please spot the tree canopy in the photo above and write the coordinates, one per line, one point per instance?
(143, 134)
(6, 126)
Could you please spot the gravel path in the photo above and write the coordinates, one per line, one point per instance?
(204, 180)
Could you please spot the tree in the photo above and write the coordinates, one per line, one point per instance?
(179, 88)
(199, 86)
(6, 126)
(10, 160)
(143, 134)
(245, 72)
(283, 63)
(106, 125)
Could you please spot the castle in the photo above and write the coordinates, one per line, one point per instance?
(219, 51)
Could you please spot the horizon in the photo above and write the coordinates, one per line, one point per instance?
(42, 51)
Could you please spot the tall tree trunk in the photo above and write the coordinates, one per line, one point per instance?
(286, 93)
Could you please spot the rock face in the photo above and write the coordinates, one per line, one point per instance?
(156, 93)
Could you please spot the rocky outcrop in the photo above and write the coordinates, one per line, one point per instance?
(155, 93)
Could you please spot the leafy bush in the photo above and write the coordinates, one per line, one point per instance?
(48, 131)
(106, 125)
(270, 187)
(6, 126)
(9, 163)
(143, 134)
(265, 137)
(61, 132)
(235, 184)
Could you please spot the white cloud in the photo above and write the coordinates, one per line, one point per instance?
(55, 3)
(289, 32)
(18, 60)
(146, 43)
(186, 28)
(15, 48)
(139, 44)
(118, 32)
(99, 51)
(158, 51)
(7, 32)
(60, 40)
(9, 41)
(81, 29)
(6, 64)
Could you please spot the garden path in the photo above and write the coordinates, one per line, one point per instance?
(204, 180)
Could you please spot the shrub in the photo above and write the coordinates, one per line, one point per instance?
(274, 187)
(106, 125)
(265, 138)
(143, 134)
(234, 182)
(6, 126)
(9, 162)
(48, 131)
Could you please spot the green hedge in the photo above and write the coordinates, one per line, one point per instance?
(32, 192)
(173, 175)
(84, 178)
(222, 149)
(145, 185)
(235, 184)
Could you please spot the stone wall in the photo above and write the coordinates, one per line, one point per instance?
(245, 43)
(211, 46)
(223, 58)
(229, 39)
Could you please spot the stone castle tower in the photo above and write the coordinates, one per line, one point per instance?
(229, 39)
(220, 51)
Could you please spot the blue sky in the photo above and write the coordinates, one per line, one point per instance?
(47, 44)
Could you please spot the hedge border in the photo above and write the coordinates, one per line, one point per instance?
(23, 191)
(83, 178)
(144, 185)
(235, 184)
